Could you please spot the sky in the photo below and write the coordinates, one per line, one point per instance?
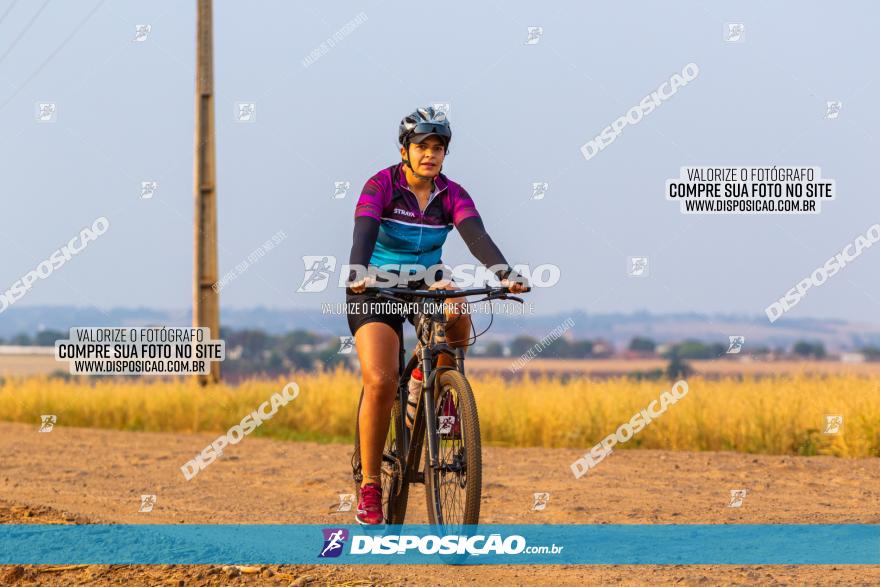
(519, 113)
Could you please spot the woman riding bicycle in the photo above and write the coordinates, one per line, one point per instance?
(402, 217)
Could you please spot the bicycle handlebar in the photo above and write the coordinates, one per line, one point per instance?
(441, 293)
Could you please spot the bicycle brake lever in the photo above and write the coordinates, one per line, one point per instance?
(510, 297)
(502, 296)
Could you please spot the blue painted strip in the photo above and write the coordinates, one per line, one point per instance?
(739, 544)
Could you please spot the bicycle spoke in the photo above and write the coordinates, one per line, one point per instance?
(452, 470)
(388, 461)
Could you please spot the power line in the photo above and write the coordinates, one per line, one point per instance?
(8, 10)
(52, 55)
(25, 29)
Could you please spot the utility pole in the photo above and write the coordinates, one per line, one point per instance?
(206, 300)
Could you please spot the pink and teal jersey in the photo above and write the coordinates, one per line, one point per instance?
(406, 234)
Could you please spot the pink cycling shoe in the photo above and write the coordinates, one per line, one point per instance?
(369, 509)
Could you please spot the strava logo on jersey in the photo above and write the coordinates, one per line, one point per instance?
(404, 212)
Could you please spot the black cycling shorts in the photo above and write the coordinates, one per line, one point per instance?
(364, 308)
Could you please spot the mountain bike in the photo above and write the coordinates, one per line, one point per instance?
(446, 425)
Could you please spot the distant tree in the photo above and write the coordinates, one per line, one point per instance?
(21, 339)
(301, 337)
(580, 349)
(642, 345)
(558, 349)
(494, 349)
(275, 364)
(718, 349)
(694, 349)
(289, 345)
(328, 359)
(253, 342)
(48, 337)
(872, 353)
(678, 368)
(803, 348)
(521, 344)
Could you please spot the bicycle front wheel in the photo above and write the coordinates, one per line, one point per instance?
(454, 487)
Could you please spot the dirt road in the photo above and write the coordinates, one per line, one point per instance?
(81, 475)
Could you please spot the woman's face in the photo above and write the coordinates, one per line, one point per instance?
(426, 157)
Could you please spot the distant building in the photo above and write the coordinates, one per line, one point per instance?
(852, 357)
(602, 349)
(8, 349)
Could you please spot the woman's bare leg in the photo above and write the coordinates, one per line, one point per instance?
(378, 350)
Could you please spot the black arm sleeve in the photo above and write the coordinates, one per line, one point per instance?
(481, 246)
(366, 231)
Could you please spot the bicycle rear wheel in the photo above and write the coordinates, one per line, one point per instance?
(395, 492)
(453, 489)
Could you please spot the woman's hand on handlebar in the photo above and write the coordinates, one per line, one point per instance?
(519, 285)
(442, 284)
(361, 284)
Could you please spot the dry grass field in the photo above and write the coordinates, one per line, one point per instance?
(12, 365)
(763, 415)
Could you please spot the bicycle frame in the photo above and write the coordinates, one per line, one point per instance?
(433, 346)
(412, 445)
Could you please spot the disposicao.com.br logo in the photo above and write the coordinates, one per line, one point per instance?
(397, 544)
(334, 541)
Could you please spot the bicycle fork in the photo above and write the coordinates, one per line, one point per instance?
(428, 395)
(425, 423)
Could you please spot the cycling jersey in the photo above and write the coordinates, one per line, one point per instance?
(408, 235)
